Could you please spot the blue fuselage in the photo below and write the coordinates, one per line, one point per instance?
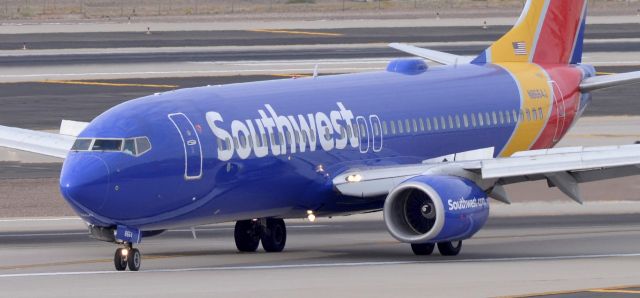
(270, 149)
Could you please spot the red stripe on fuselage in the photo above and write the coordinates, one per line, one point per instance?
(567, 81)
(558, 33)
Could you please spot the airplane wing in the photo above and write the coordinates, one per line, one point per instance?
(436, 56)
(564, 168)
(45, 143)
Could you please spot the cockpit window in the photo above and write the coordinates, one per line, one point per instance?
(107, 145)
(143, 145)
(82, 145)
(133, 146)
(129, 147)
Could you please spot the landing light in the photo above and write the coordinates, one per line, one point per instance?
(125, 252)
(310, 216)
(354, 178)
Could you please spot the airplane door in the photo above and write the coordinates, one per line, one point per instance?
(192, 146)
(376, 127)
(363, 134)
(560, 105)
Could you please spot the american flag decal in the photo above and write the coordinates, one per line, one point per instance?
(520, 48)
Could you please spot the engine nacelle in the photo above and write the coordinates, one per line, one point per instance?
(427, 209)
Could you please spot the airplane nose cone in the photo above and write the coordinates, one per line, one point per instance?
(85, 181)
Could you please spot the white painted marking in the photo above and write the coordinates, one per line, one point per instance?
(322, 265)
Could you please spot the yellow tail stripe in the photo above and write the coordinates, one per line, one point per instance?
(535, 94)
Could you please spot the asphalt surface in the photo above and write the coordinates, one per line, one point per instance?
(339, 257)
(39, 105)
(306, 37)
(123, 40)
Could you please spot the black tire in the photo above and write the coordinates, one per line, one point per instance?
(247, 235)
(450, 248)
(119, 260)
(422, 249)
(134, 259)
(274, 236)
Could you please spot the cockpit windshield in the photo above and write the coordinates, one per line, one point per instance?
(132, 146)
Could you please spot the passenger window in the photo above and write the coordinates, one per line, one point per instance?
(515, 115)
(243, 141)
(327, 134)
(508, 116)
(480, 120)
(541, 113)
(501, 115)
(220, 144)
(81, 145)
(428, 124)
(450, 122)
(458, 121)
(393, 127)
(443, 123)
(385, 131)
(473, 120)
(528, 114)
(534, 114)
(421, 124)
(435, 124)
(400, 128)
(235, 142)
(376, 132)
(415, 125)
(142, 145)
(465, 119)
(107, 145)
(495, 118)
(407, 125)
(487, 119)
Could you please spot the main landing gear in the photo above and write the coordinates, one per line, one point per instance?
(451, 248)
(127, 256)
(272, 232)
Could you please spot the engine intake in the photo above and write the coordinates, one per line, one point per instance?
(427, 209)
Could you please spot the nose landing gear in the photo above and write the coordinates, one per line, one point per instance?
(271, 232)
(127, 256)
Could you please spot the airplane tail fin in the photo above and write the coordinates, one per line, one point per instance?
(547, 32)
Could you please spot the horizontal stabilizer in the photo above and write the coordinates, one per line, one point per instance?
(40, 142)
(435, 56)
(608, 81)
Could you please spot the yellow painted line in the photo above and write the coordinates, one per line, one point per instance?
(552, 293)
(621, 291)
(107, 84)
(83, 262)
(600, 73)
(296, 32)
(290, 75)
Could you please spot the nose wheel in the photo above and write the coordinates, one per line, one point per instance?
(127, 256)
(272, 232)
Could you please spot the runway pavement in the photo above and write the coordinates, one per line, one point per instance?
(50, 102)
(341, 257)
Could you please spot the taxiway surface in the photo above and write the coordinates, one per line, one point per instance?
(339, 257)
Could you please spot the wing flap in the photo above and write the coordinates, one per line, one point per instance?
(44, 143)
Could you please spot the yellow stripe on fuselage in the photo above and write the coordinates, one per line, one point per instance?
(535, 93)
(524, 32)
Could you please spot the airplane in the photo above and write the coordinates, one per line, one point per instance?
(427, 146)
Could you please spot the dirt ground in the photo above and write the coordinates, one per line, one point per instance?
(239, 10)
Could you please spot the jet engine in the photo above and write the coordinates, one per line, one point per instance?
(429, 209)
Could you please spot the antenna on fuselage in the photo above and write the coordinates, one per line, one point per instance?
(315, 71)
